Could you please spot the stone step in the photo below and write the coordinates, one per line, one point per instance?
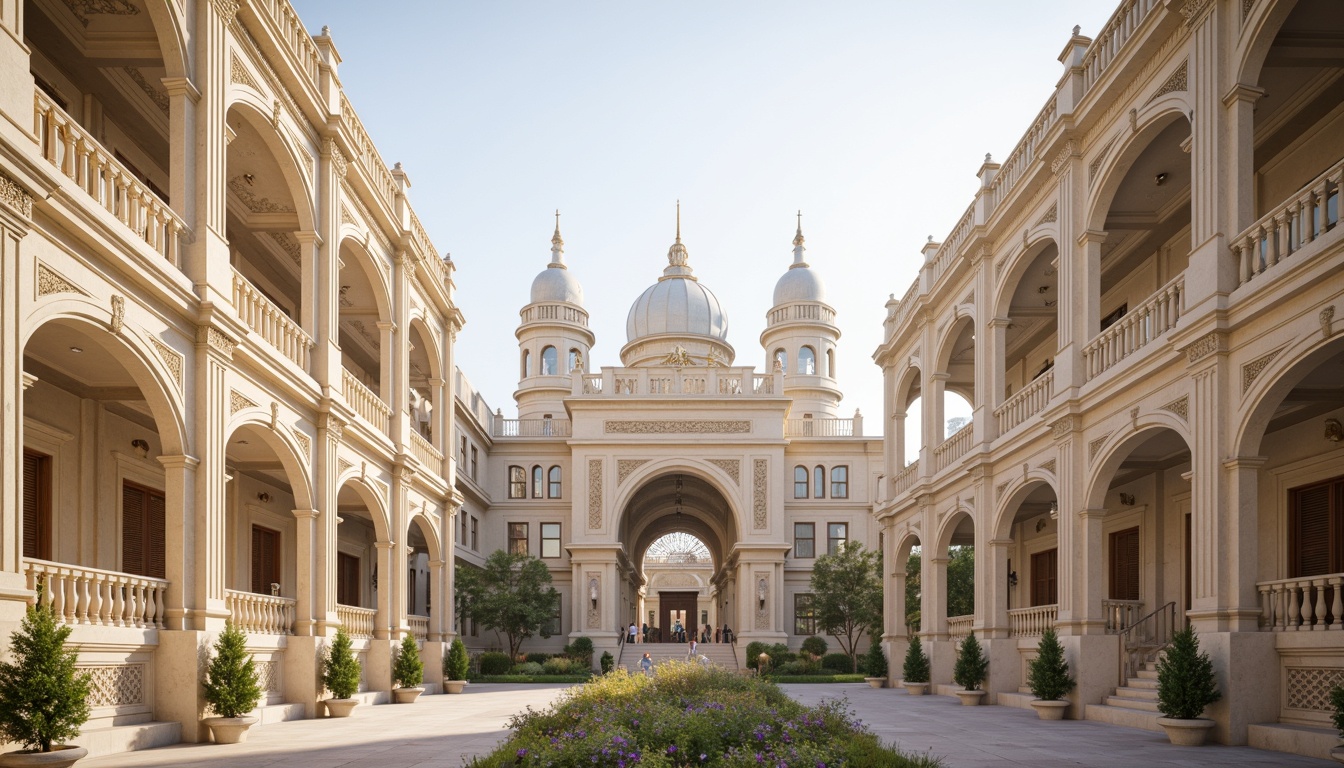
(125, 738)
(1139, 705)
(1020, 699)
(1147, 674)
(1295, 739)
(1142, 682)
(277, 713)
(1131, 718)
(1134, 692)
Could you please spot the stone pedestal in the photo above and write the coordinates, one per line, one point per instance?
(1005, 666)
(303, 673)
(1246, 666)
(432, 654)
(378, 669)
(179, 667)
(1095, 660)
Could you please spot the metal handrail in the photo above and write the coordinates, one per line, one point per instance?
(1145, 638)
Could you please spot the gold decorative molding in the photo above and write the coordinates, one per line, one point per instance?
(49, 282)
(625, 467)
(758, 491)
(733, 467)
(594, 493)
(675, 426)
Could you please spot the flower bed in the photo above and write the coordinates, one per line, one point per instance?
(688, 715)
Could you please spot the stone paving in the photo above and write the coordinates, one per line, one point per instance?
(440, 731)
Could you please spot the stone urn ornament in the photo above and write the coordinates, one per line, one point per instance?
(408, 671)
(1049, 679)
(43, 698)
(1185, 686)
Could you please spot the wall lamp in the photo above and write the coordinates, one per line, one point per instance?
(1012, 578)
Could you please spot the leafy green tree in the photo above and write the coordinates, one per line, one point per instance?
(847, 596)
(43, 701)
(341, 673)
(607, 662)
(1337, 709)
(231, 685)
(916, 667)
(876, 660)
(815, 646)
(1048, 675)
(972, 666)
(912, 591)
(1185, 681)
(407, 669)
(512, 594)
(456, 665)
(961, 581)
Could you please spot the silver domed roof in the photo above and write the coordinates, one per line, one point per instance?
(677, 304)
(556, 283)
(799, 283)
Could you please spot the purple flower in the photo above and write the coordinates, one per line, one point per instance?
(672, 749)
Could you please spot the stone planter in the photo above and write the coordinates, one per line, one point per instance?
(60, 756)
(406, 695)
(230, 730)
(875, 682)
(454, 686)
(1050, 709)
(970, 698)
(916, 689)
(340, 707)
(1186, 733)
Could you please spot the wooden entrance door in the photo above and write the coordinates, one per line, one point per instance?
(677, 605)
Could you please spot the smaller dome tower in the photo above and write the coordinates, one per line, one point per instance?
(553, 338)
(800, 334)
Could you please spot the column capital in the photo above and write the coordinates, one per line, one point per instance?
(1242, 92)
(181, 86)
(306, 514)
(1090, 236)
(180, 461)
(1088, 513)
(1000, 542)
(308, 238)
(999, 322)
(1245, 462)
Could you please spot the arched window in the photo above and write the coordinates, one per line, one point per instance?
(537, 487)
(574, 361)
(840, 482)
(550, 362)
(553, 489)
(830, 363)
(819, 482)
(800, 482)
(782, 358)
(807, 361)
(527, 363)
(517, 483)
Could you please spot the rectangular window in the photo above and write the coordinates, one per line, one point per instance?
(1316, 528)
(1044, 584)
(553, 624)
(517, 483)
(142, 531)
(1125, 564)
(473, 462)
(462, 452)
(475, 531)
(462, 537)
(837, 535)
(840, 482)
(804, 616)
(800, 482)
(518, 538)
(36, 506)
(804, 540)
(347, 580)
(265, 559)
(550, 539)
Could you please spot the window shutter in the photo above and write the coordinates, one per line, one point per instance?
(32, 506)
(132, 529)
(1043, 574)
(1311, 531)
(265, 562)
(155, 561)
(1125, 564)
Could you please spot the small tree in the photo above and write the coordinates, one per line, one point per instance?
(815, 646)
(456, 665)
(1337, 707)
(581, 649)
(876, 660)
(972, 666)
(231, 685)
(42, 699)
(512, 594)
(1048, 675)
(916, 667)
(341, 672)
(1185, 681)
(607, 662)
(847, 596)
(407, 669)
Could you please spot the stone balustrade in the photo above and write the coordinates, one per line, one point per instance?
(79, 595)
(905, 478)
(953, 448)
(1138, 328)
(1027, 402)
(1121, 614)
(1306, 603)
(366, 403)
(358, 622)
(1304, 218)
(532, 428)
(820, 428)
(270, 322)
(1032, 621)
(1107, 44)
(658, 381)
(959, 626)
(419, 626)
(426, 453)
(262, 614)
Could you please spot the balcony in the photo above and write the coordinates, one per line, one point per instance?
(1137, 329)
(662, 381)
(261, 614)
(823, 428)
(532, 428)
(953, 448)
(79, 595)
(905, 478)
(271, 323)
(358, 622)
(1033, 621)
(1029, 401)
(426, 453)
(959, 626)
(365, 403)
(419, 626)
(1306, 217)
(1302, 604)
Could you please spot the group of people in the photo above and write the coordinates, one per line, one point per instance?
(692, 654)
(647, 634)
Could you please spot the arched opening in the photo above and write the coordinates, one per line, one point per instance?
(1030, 337)
(575, 361)
(807, 361)
(526, 368)
(425, 385)
(362, 527)
(1030, 521)
(420, 577)
(676, 565)
(550, 361)
(908, 414)
(364, 321)
(956, 574)
(907, 585)
(782, 359)
(955, 378)
(830, 363)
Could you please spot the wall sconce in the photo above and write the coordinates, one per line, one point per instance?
(1127, 499)
(263, 497)
(1334, 431)
(1054, 510)
(1012, 578)
(142, 447)
(592, 591)
(1040, 524)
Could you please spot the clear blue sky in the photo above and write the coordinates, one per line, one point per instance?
(872, 117)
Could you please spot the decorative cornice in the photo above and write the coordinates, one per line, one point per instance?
(226, 9)
(674, 426)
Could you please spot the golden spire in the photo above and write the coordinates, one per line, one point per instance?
(678, 221)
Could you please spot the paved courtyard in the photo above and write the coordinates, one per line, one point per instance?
(439, 731)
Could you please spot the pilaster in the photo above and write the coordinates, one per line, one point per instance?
(205, 607)
(15, 213)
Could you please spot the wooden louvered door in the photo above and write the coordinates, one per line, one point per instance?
(1316, 536)
(36, 505)
(142, 531)
(1125, 564)
(265, 559)
(347, 580)
(1044, 577)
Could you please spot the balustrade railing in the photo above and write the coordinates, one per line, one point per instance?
(1020, 159)
(270, 322)
(79, 595)
(427, 454)
(819, 428)
(419, 626)
(1306, 216)
(1027, 402)
(1120, 614)
(1107, 44)
(358, 622)
(658, 381)
(800, 312)
(262, 614)
(365, 402)
(292, 33)
(946, 255)
(533, 428)
(953, 448)
(106, 180)
(959, 626)
(1033, 621)
(905, 478)
(1302, 604)
(1138, 328)
(542, 312)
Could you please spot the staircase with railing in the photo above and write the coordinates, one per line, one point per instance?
(1142, 641)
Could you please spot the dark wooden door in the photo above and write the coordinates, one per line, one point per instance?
(677, 601)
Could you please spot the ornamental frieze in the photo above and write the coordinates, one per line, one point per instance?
(675, 427)
(626, 467)
(732, 467)
(758, 477)
(594, 493)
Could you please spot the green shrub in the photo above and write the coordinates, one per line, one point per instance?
(875, 662)
(495, 663)
(754, 650)
(340, 674)
(231, 686)
(558, 665)
(837, 662)
(607, 662)
(455, 666)
(916, 667)
(529, 668)
(1048, 675)
(42, 699)
(538, 658)
(799, 667)
(972, 667)
(1185, 682)
(581, 649)
(407, 669)
(815, 646)
(1337, 705)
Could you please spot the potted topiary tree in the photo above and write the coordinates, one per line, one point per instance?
(408, 671)
(455, 667)
(970, 671)
(915, 671)
(1049, 679)
(1337, 705)
(1185, 686)
(42, 699)
(231, 687)
(341, 675)
(876, 662)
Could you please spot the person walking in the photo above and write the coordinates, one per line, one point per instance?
(716, 634)
(646, 664)
(634, 633)
(646, 631)
(677, 632)
(690, 653)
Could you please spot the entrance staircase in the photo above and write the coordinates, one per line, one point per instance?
(719, 654)
(1133, 705)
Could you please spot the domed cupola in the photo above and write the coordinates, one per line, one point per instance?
(800, 335)
(553, 338)
(677, 320)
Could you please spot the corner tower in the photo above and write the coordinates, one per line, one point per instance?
(800, 334)
(553, 338)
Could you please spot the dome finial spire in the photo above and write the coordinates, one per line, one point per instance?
(677, 255)
(798, 244)
(557, 244)
(678, 221)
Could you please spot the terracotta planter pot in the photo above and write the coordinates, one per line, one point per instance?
(1050, 709)
(230, 730)
(454, 686)
(340, 707)
(875, 682)
(916, 689)
(406, 695)
(1186, 733)
(970, 698)
(60, 756)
